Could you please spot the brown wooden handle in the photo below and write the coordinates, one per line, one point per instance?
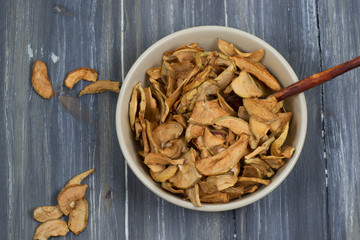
(316, 79)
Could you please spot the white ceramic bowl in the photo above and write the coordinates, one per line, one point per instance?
(206, 37)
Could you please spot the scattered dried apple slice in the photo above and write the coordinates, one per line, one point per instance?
(168, 187)
(217, 197)
(69, 195)
(78, 216)
(75, 76)
(101, 86)
(262, 109)
(46, 213)
(78, 179)
(51, 228)
(40, 80)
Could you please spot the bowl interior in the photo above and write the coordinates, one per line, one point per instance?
(206, 37)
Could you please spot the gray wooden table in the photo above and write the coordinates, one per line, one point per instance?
(43, 143)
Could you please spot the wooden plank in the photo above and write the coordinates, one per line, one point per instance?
(148, 21)
(47, 142)
(340, 41)
(296, 209)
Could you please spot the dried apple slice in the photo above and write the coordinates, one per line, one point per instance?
(225, 160)
(224, 105)
(154, 72)
(222, 181)
(275, 148)
(234, 192)
(255, 180)
(261, 165)
(217, 197)
(193, 131)
(260, 73)
(159, 159)
(187, 175)
(165, 174)
(78, 179)
(236, 125)
(227, 75)
(46, 213)
(166, 132)
(258, 128)
(100, 87)
(78, 216)
(151, 109)
(173, 148)
(211, 140)
(40, 80)
(193, 195)
(51, 228)
(168, 187)
(205, 112)
(229, 50)
(69, 195)
(287, 151)
(245, 87)
(75, 76)
(264, 147)
(133, 107)
(262, 109)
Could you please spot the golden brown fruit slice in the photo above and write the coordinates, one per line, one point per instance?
(165, 174)
(133, 107)
(256, 180)
(193, 195)
(262, 109)
(40, 80)
(69, 195)
(78, 179)
(260, 73)
(166, 132)
(193, 131)
(260, 149)
(101, 86)
(168, 187)
(245, 87)
(217, 197)
(78, 216)
(160, 159)
(205, 112)
(236, 125)
(51, 228)
(225, 160)
(222, 181)
(258, 128)
(187, 174)
(229, 50)
(75, 76)
(45, 213)
(275, 149)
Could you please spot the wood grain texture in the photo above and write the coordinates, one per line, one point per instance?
(300, 200)
(340, 41)
(44, 143)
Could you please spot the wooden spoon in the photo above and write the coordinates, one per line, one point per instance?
(316, 79)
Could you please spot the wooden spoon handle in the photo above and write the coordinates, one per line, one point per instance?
(316, 79)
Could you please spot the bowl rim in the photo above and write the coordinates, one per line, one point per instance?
(221, 206)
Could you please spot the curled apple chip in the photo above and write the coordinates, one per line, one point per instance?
(40, 80)
(165, 174)
(75, 76)
(193, 195)
(78, 179)
(259, 72)
(78, 216)
(51, 228)
(245, 87)
(45, 213)
(225, 160)
(69, 195)
(101, 86)
(209, 128)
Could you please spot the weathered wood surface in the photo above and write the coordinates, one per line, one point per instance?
(44, 143)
